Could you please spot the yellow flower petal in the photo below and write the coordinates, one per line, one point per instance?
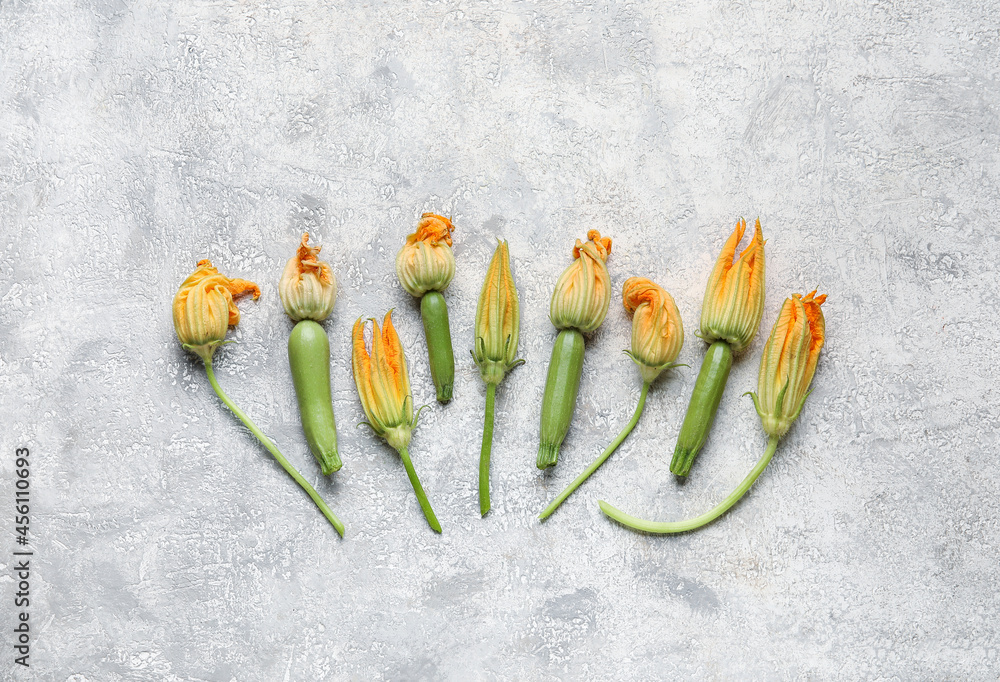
(789, 362)
(497, 319)
(382, 381)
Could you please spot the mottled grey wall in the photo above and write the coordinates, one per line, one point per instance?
(139, 137)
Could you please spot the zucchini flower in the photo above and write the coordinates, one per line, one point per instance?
(789, 362)
(308, 291)
(730, 317)
(579, 305)
(203, 310)
(786, 370)
(734, 297)
(498, 320)
(425, 266)
(657, 337)
(384, 388)
(383, 383)
(426, 262)
(308, 288)
(657, 331)
(583, 292)
(496, 334)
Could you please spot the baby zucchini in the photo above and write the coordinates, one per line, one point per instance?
(434, 312)
(309, 358)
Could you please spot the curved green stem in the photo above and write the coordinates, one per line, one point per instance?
(419, 490)
(303, 483)
(663, 527)
(484, 453)
(601, 459)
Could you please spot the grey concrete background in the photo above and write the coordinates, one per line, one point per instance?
(139, 137)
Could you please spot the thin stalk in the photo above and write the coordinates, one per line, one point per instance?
(661, 527)
(484, 454)
(419, 490)
(595, 465)
(303, 483)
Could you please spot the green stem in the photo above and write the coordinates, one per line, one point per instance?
(705, 397)
(484, 454)
(601, 459)
(662, 527)
(303, 483)
(419, 490)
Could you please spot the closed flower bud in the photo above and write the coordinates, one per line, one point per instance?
(583, 291)
(789, 362)
(734, 298)
(382, 381)
(497, 320)
(308, 288)
(657, 331)
(204, 309)
(426, 262)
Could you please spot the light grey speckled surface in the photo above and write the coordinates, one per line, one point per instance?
(139, 137)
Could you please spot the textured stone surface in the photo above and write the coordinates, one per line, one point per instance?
(140, 137)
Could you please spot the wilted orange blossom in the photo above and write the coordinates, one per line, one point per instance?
(307, 288)
(657, 330)
(426, 261)
(204, 309)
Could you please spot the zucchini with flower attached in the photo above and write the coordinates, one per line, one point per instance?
(425, 267)
(730, 317)
(308, 291)
(579, 305)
